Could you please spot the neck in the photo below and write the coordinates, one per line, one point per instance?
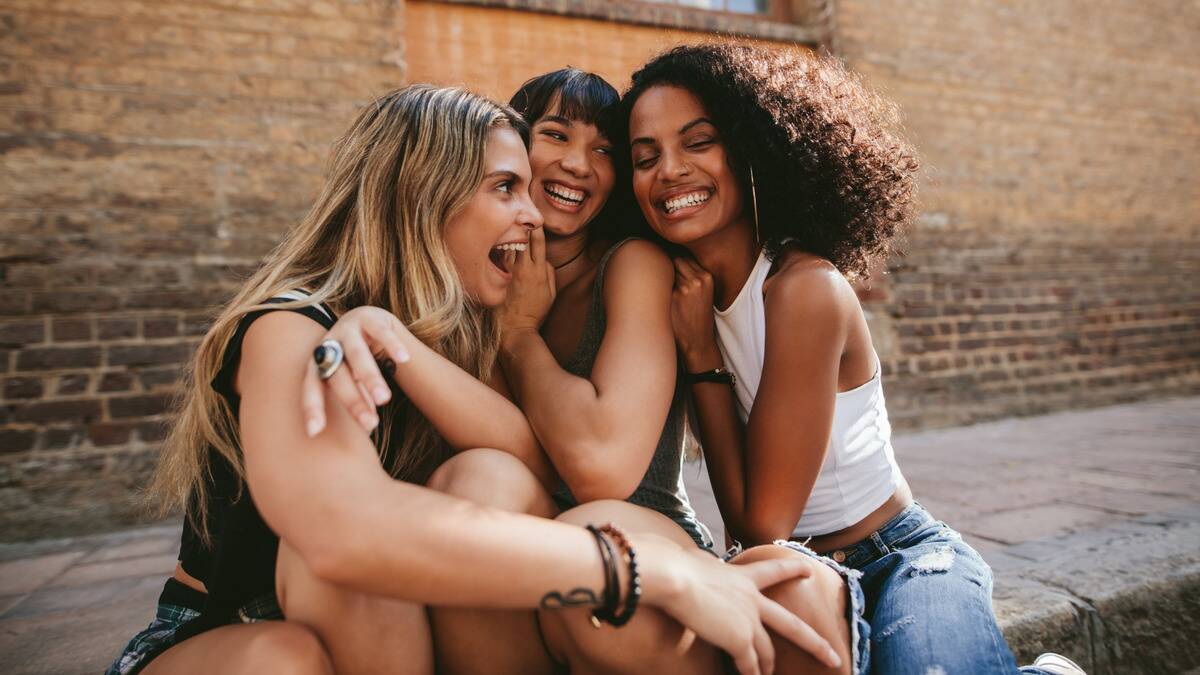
(729, 255)
(567, 256)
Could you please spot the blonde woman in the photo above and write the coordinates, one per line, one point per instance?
(316, 552)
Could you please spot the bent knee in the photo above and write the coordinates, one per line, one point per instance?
(819, 580)
(288, 647)
(492, 478)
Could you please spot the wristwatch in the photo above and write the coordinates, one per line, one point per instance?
(719, 375)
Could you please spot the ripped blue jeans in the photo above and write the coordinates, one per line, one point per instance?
(928, 600)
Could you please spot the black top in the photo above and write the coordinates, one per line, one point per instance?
(239, 566)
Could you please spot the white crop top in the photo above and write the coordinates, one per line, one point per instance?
(859, 473)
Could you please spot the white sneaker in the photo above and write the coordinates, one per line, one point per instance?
(1059, 664)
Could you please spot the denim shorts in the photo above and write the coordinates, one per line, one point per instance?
(159, 636)
(860, 630)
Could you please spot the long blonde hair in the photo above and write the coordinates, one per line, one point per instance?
(408, 164)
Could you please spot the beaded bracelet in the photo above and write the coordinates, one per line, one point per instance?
(612, 580)
(609, 613)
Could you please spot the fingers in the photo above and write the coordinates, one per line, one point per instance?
(791, 628)
(312, 400)
(764, 649)
(363, 368)
(767, 573)
(551, 283)
(347, 392)
(746, 661)
(537, 245)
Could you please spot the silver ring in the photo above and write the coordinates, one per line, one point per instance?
(329, 357)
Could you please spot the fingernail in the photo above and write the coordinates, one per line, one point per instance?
(368, 420)
(402, 357)
(834, 660)
(314, 428)
(381, 395)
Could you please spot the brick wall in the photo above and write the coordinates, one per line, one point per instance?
(151, 152)
(1055, 265)
(488, 50)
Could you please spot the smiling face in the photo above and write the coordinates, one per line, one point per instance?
(681, 174)
(573, 172)
(499, 216)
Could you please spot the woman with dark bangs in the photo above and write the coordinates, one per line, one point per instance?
(318, 552)
(779, 177)
(588, 354)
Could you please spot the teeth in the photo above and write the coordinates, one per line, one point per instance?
(511, 247)
(564, 193)
(689, 199)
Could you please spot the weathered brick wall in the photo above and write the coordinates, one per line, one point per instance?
(150, 153)
(1056, 262)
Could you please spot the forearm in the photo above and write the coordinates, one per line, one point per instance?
(464, 410)
(423, 546)
(566, 411)
(722, 436)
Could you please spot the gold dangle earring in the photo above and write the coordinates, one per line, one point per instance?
(754, 202)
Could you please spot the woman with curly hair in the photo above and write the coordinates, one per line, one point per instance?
(779, 177)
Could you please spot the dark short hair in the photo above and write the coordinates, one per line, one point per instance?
(586, 97)
(576, 94)
(832, 171)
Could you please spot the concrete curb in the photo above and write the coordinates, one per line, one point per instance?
(1123, 599)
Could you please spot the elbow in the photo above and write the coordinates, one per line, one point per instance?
(328, 547)
(765, 528)
(594, 476)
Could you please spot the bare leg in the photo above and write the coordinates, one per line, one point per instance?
(470, 641)
(819, 600)
(363, 633)
(247, 649)
(651, 642)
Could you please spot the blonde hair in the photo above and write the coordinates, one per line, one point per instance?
(408, 164)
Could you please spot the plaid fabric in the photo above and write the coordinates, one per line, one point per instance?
(160, 634)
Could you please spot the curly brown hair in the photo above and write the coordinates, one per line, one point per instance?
(831, 171)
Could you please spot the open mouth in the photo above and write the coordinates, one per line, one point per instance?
(566, 197)
(687, 200)
(498, 255)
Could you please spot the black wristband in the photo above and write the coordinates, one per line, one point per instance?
(719, 375)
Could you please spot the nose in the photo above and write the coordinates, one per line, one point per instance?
(674, 166)
(575, 161)
(528, 215)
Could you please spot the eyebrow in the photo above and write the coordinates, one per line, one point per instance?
(557, 118)
(503, 172)
(646, 140)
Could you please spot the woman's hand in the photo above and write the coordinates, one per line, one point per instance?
(366, 334)
(692, 316)
(723, 603)
(532, 291)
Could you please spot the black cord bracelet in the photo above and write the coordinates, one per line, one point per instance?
(614, 612)
(612, 579)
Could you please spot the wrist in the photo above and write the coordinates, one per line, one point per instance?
(660, 569)
(702, 359)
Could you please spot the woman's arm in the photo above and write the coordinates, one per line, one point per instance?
(763, 472)
(449, 397)
(328, 497)
(601, 432)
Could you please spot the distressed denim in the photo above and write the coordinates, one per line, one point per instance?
(929, 600)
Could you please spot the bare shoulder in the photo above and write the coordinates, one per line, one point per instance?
(638, 266)
(806, 285)
(640, 255)
(275, 343)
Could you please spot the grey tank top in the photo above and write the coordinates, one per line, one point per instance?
(661, 488)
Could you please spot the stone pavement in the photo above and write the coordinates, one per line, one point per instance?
(1090, 520)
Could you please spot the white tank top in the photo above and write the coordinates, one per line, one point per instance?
(859, 473)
